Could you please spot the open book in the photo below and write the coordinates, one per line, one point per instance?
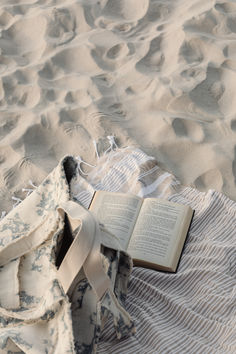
(152, 230)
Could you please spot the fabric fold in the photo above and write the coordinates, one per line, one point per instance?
(36, 314)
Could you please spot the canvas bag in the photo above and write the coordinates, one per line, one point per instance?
(36, 315)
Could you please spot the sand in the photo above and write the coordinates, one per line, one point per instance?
(158, 75)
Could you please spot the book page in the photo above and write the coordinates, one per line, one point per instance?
(118, 212)
(156, 233)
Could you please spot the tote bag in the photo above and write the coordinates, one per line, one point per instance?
(61, 273)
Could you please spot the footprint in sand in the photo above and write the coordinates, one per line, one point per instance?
(226, 7)
(5, 19)
(118, 51)
(106, 80)
(38, 142)
(2, 159)
(212, 178)
(207, 93)
(20, 37)
(77, 60)
(7, 125)
(122, 28)
(109, 52)
(117, 109)
(204, 23)
(189, 129)
(19, 95)
(127, 10)
(192, 76)
(230, 51)
(154, 59)
(229, 64)
(231, 24)
(158, 11)
(191, 51)
(25, 76)
(49, 71)
(61, 28)
(70, 115)
(81, 97)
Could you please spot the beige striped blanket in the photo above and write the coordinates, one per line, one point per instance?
(194, 310)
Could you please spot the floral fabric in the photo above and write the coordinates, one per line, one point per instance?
(36, 316)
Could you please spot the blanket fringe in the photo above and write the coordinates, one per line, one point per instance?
(112, 147)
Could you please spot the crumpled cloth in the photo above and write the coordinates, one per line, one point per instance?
(36, 316)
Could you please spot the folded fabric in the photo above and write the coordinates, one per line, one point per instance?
(36, 314)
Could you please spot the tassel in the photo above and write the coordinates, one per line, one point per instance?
(32, 184)
(29, 190)
(96, 149)
(80, 161)
(4, 213)
(113, 146)
(18, 201)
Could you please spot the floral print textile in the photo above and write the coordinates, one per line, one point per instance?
(36, 316)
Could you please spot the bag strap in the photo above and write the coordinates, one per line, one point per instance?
(84, 250)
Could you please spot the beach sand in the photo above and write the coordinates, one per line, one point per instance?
(158, 75)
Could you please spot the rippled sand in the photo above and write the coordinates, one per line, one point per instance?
(159, 75)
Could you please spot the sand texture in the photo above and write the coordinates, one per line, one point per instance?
(159, 75)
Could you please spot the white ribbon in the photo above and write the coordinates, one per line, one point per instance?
(80, 161)
(84, 250)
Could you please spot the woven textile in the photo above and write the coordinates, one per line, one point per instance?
(194, 310)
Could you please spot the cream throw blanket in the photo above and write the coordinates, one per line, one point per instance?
(193, 311)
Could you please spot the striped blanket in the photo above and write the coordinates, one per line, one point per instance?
(194, 310)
